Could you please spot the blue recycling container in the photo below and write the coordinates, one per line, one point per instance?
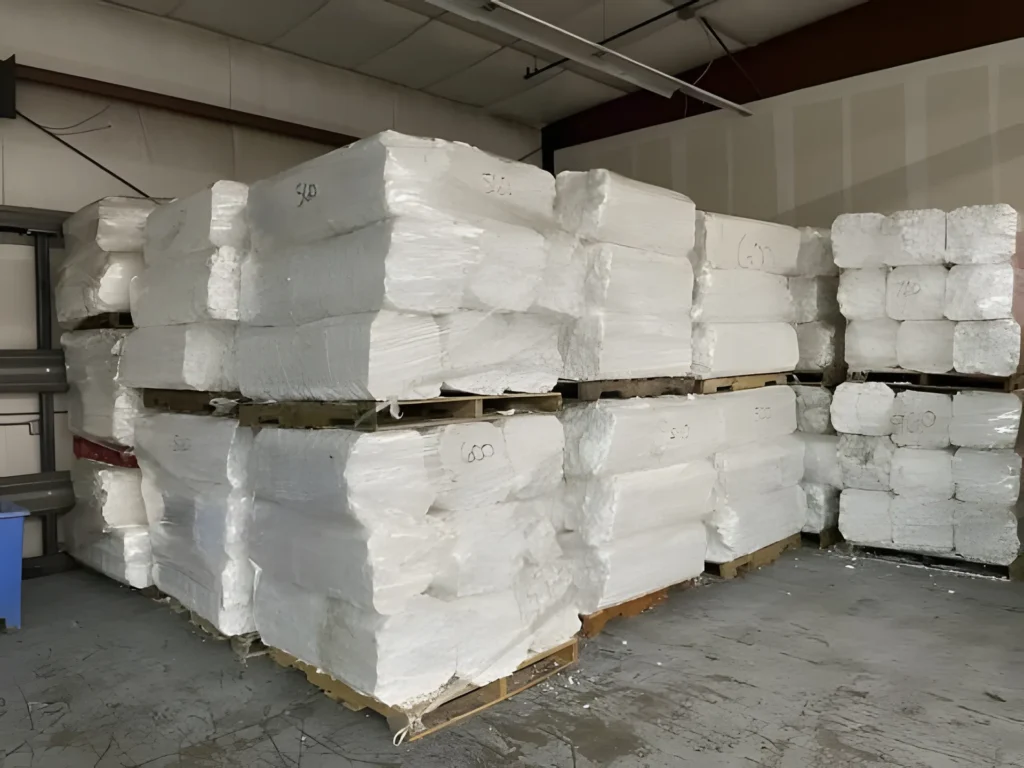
(12, 529)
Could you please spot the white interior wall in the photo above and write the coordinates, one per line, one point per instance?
(939, 133)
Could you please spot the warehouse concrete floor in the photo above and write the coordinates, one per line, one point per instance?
(815, 661)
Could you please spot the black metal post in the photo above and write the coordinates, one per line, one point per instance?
(44, 340)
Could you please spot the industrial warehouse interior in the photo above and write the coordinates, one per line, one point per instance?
(472, 383)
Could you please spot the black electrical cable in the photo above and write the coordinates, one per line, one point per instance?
(733, 59)
(81, 154)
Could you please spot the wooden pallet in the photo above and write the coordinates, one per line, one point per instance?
(759, 559)
(823, 540)
(106, 320)
(832, 377)
(451, 707)
(371, 416)
(247, 646)
(190, 401)
(940, 382)
(1014, 571)
(738, 383)
(625, 388)
(594, 623)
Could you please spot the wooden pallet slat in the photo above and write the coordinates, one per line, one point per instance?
(191, 401)
(831, 377)
(760, 558)
(594, 623)
(940, 382)
(739, 383)
(589, 391)
(1014, 571)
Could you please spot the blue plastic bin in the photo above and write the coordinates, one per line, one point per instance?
(12, 530)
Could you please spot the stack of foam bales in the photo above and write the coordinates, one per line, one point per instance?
(820, 327)
(395, 267)
(635, 279)
(907, 308)
(928, 472)
(742, 307)
(107, 529)
(822, 477)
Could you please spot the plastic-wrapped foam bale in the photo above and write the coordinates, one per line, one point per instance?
(866, 462)
(390, 175)
(921, 419)
(915, 293)
(814, 298)
(741, 296)
(986, 534)
(821, 459)
(494, 353)
(862, 294)
(756, 415)
(198, 495)
(113, 224)
(604, 345)
(733, 243)
(981, 234)
(986, 477)
(922, 473)
(871, 344)
(858, 240)
(735, 349)
(92, 281)
(985, 420)
(925, 345)
(979, 292)
(602, 206)
(916, 237)
(371, 356)
(200, 223)
(986, 346)
(815, 256)
(107, 530)
(535, 445)
(863, 408)
(191, 288)
(100, 408)
(611, 436)
(822, 507)
(813, 409)
(922, 524)
(864, 517)
(632, 281)
(745, 524)
(469, 465)
(760, 467)
(199, 356)
(821, 343)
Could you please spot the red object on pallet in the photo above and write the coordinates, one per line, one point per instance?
(118, 457)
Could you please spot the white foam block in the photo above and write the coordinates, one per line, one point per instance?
(756, 415)
(205, 221)
(986, 420)
(760, 467)
(922, 473)
(741, 296)
(864, 517)
(862, 294)
(372, 356)
(733, 243)
(813, 409)
(535, 444)
(858, 241)
(987, 477)
(815, 256)
(921, 419)
(866, 462)
(92, 281)
(745, 524)
(632, 281)
(979, 292)
(106, 497)
(871, 344)
(986, 346)
(605, 345)
(981, 234)
(192, 288)
(916, 237)
(921, 524)
(112, 224)
(822, 507)
(602, 206)
(925, 345)
(814, 298)
(469, 465)
(123, 554)
(863, 408)
(822, 345)
(485, 555)
(915, 293)
(986, 534)
(198, 356)
(99, 407)
(821, 459)
(735, 349)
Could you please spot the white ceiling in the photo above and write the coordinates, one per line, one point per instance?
(412, 43)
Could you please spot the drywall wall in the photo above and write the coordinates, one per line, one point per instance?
(944, 132)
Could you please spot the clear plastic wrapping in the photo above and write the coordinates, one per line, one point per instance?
(820, 459)
(863, 408)
(199, 356)
(862, 294)
(208, 220)
(925, 345)
(113, 224)
(822, 345)
(986, 477)
(741, 296)
(981, 234)
(92, 281)
(760, 468)
(915, 293)
(746, 524)
(985, 420)
(813, 409)
(733, 243)
(980, 292)
(815, 257)
(736, 349)
(822, 507)
(188, 288)
(814, 298)
(866, 462)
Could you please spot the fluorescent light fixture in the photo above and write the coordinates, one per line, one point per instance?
(512, 21)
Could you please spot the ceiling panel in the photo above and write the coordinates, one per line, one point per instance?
(430, 54)
(259, 21)
(497, 77)
(159, 7)
(421, 7)
(347, 33)
(556, 11)
(604, 19)
(754, 21)
(676, 48)
(562, 95)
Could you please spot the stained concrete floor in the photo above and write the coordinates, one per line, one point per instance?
(815, 661)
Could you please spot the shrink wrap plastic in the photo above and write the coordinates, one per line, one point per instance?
(814, 298)
(813, 409)
(985, 420)
(815, 256)
(735, 349)
(741, 296)
(113, 224)
(820, 460)
(821, 344)
(189, 288)
(206, 221)
(199, 356)
(745, 524)
(990, 478)
(866, 461)
(822, 507)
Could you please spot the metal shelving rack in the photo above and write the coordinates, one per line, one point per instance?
(48, 493)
